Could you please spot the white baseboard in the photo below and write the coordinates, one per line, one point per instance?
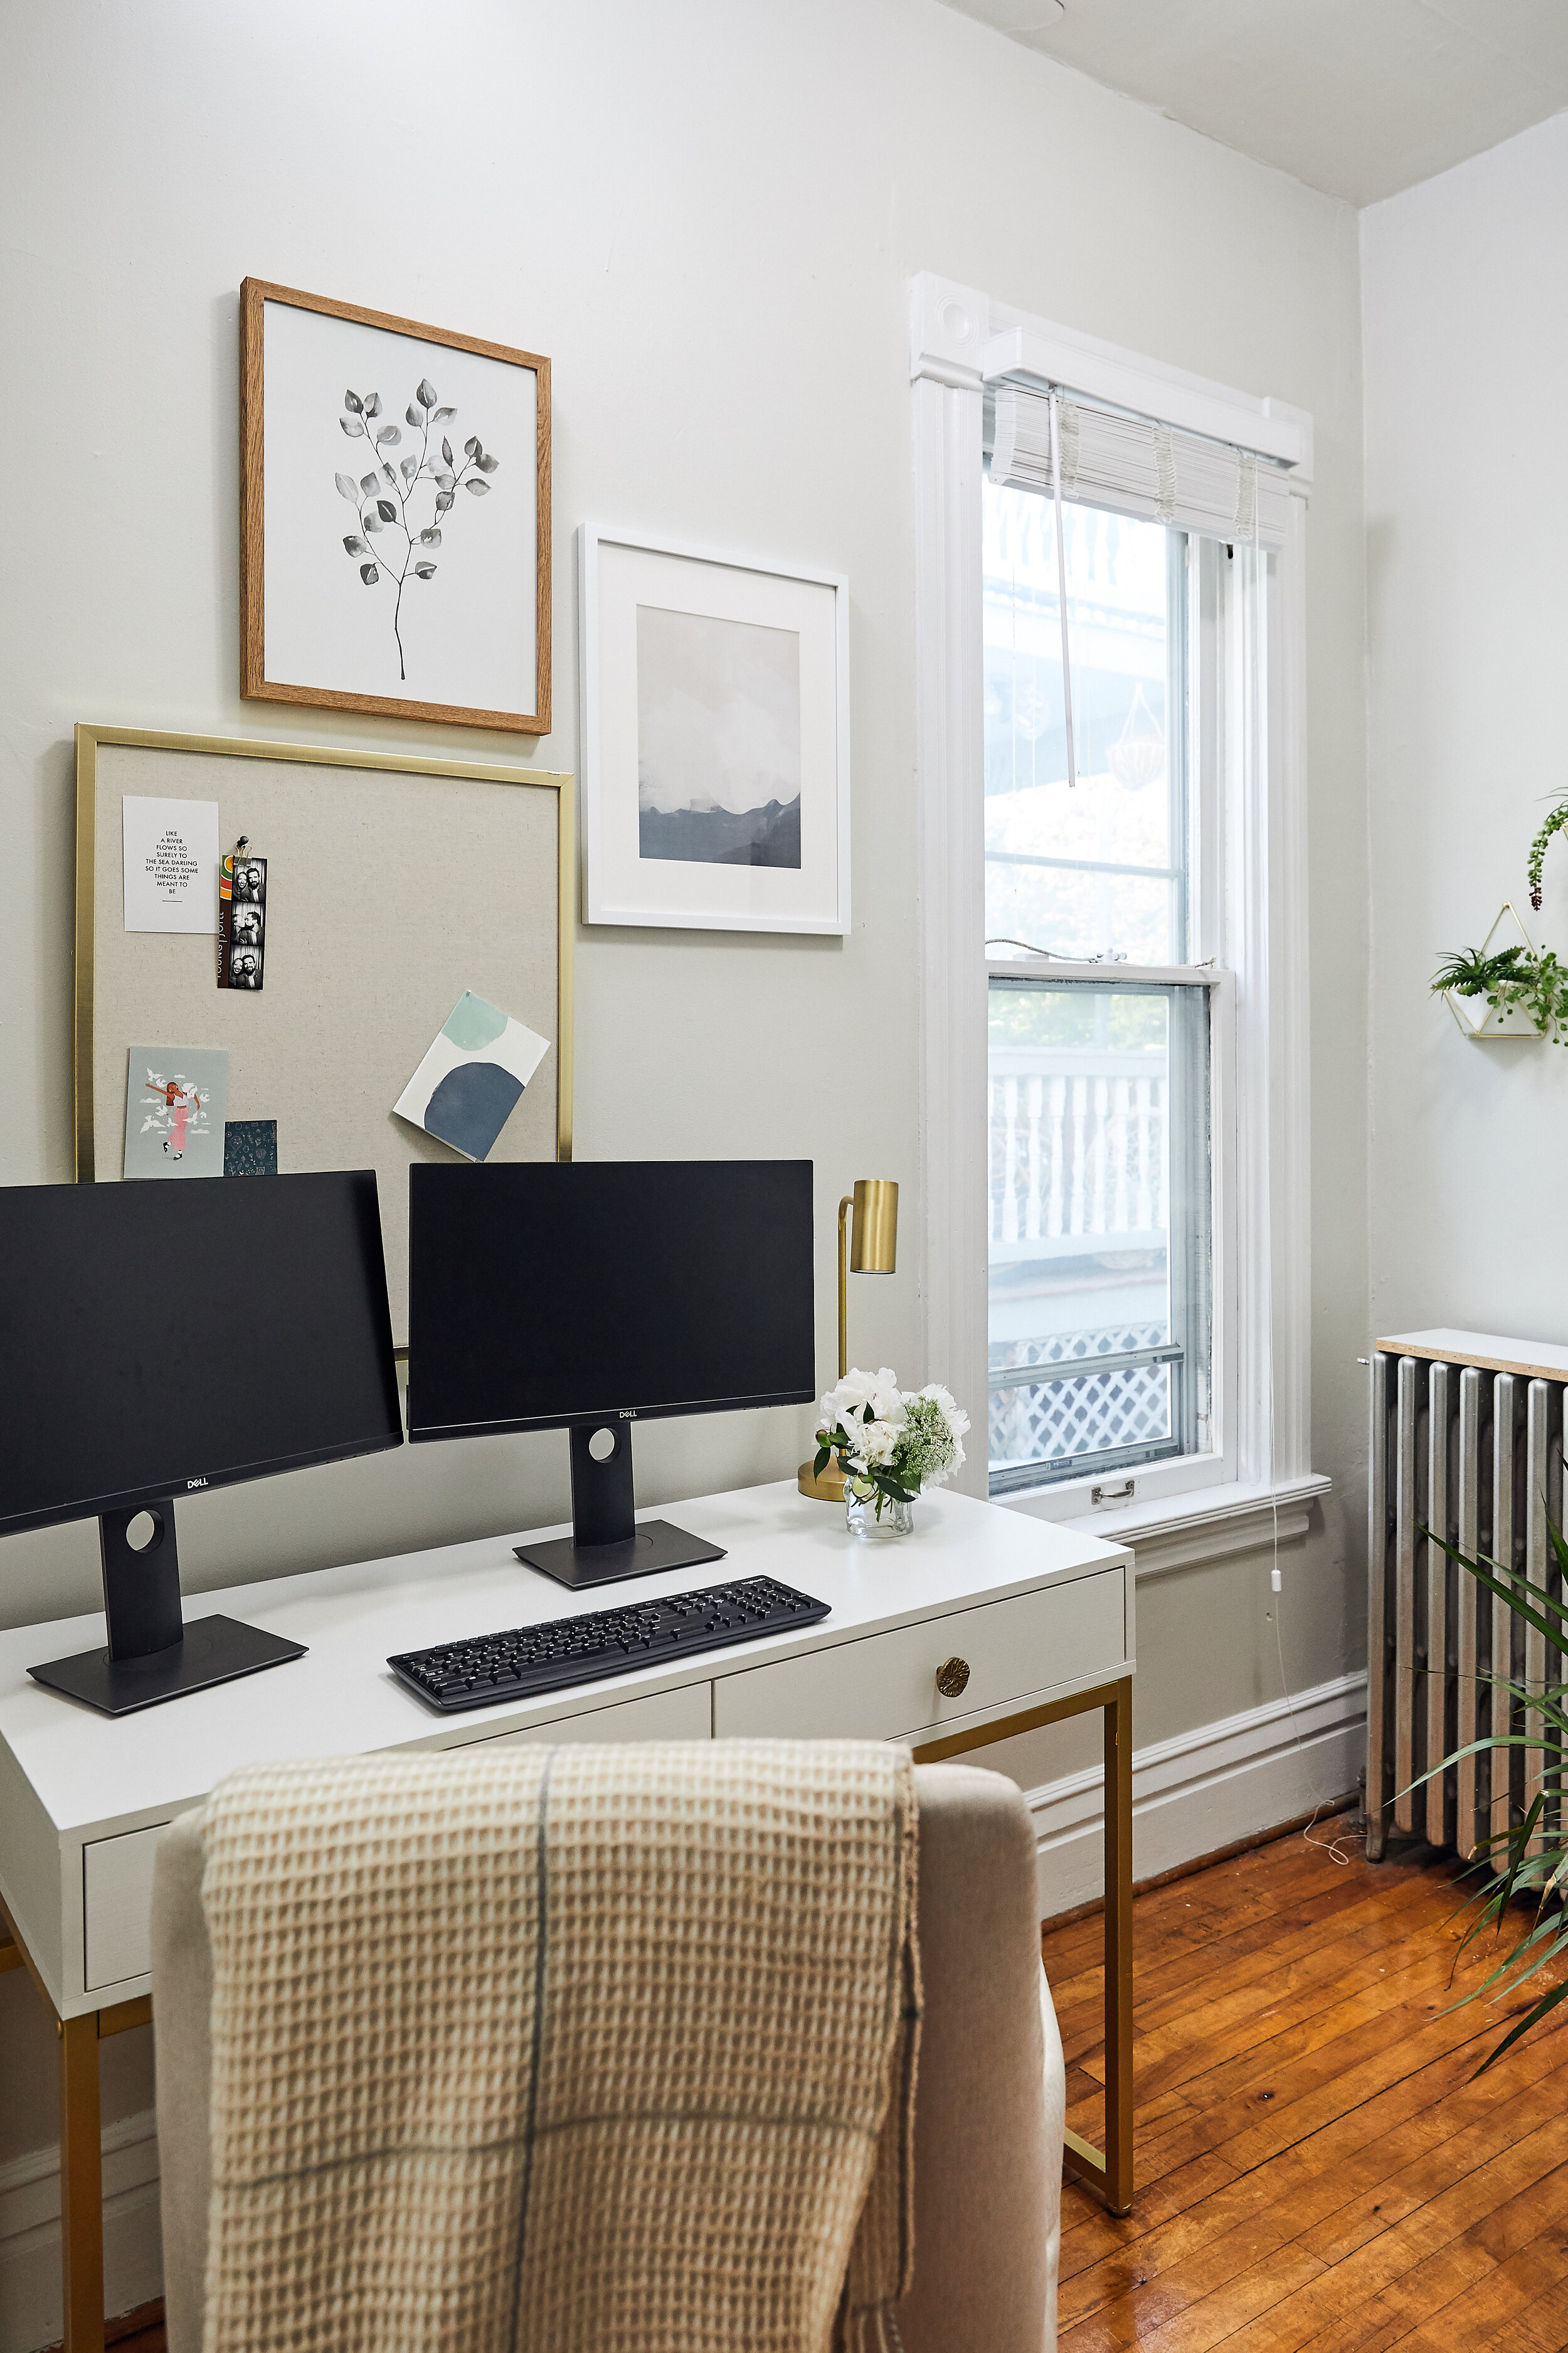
(30, 2309)
(1207, 1788)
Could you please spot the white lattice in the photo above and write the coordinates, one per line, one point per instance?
(1127, 1407)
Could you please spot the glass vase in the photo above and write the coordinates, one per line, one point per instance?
(861, 1520)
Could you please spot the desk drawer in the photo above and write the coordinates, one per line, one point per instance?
(685, 1715)
(885, 1684)
(117, 1905)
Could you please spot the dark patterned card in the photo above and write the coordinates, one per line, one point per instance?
(250, 1147)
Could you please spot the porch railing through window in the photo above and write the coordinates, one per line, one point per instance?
(1079, 1152)
(1098, 1348)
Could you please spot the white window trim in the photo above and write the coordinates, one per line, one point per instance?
(960, 341)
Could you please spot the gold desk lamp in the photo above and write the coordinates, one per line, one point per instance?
(874, 1251)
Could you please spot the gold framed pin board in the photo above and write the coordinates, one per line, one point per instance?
(395, 515)
(418, 924)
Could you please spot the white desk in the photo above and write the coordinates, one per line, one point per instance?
(1043, 1618)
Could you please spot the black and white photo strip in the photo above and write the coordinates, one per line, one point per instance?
(248, 924)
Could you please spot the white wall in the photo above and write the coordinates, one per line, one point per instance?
(1466, 357)
(708, 217)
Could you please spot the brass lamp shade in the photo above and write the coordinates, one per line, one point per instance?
(874, 1251)
(875, 1248)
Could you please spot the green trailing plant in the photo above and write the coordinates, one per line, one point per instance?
(1538, 847)
(1536, 1724)
(1525, 980)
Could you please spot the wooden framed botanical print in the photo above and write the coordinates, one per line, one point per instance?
(714, 745)
(395, 515)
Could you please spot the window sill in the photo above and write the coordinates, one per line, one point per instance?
(1173, 1530)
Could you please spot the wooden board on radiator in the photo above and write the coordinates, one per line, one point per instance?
(1536, 1360)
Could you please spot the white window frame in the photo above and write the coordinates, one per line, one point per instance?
(1249, 913)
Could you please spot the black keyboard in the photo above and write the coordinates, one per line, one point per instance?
(561, 1652)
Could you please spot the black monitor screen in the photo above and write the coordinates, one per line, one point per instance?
(542, 1293)
(158, 1338)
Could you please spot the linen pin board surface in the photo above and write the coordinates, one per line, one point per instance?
(396, 888)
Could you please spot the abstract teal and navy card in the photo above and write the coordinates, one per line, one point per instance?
(472, 1079)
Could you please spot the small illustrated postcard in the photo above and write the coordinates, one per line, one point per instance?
(175, 1100)
(472, 1079)
(250, 1147)
(170, 864)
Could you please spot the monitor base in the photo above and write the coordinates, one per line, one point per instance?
(211, 1651)
(655, 1545)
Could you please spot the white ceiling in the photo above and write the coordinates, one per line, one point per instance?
(1361, 97)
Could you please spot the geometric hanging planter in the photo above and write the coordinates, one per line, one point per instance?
(1475, 1013)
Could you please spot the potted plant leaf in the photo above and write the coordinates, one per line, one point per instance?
(1530, 1857)
(1507, 987)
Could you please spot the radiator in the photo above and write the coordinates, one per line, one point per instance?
(1467, 1441)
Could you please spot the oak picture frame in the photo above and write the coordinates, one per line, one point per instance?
(255, 684)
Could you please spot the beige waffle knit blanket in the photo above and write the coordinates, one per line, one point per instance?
(584, 2050)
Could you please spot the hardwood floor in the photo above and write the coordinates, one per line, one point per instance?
(140, 2331)
(1314, 2168)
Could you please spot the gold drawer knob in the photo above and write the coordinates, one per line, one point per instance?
(952, 1677)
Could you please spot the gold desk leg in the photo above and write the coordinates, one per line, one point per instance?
(82, 2185)
(81, 2149)
(1108, 2175)
(1119, 1951)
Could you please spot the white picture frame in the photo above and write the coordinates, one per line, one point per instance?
(710, 684)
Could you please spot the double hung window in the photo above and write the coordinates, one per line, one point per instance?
(1109, 571)
(1108, 1035)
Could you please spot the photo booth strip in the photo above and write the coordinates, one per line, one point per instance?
(241, 917)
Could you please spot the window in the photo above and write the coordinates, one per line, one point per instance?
(1100, 1274)
(1098, 869)
(1113, 1131)
(1100, 1246)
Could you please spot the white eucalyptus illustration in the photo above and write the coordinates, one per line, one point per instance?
(383, 499)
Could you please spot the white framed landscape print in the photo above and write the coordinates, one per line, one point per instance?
(715, 739)
(395, 515)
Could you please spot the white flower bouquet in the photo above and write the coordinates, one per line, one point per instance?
(890, 1442)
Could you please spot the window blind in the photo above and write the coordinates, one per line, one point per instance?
(1138, 466)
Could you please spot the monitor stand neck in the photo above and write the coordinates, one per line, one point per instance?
(141, 1589)
(604, 1492)
(607, 1543)
(151, 1654)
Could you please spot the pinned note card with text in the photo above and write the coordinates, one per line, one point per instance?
(472, 1079)
(170, 864)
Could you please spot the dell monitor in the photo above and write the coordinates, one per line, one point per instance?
(159, 1340)
(547, 1295)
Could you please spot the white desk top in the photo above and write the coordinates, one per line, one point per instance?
(343, 1698)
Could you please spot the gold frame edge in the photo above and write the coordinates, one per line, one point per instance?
(89, 737)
